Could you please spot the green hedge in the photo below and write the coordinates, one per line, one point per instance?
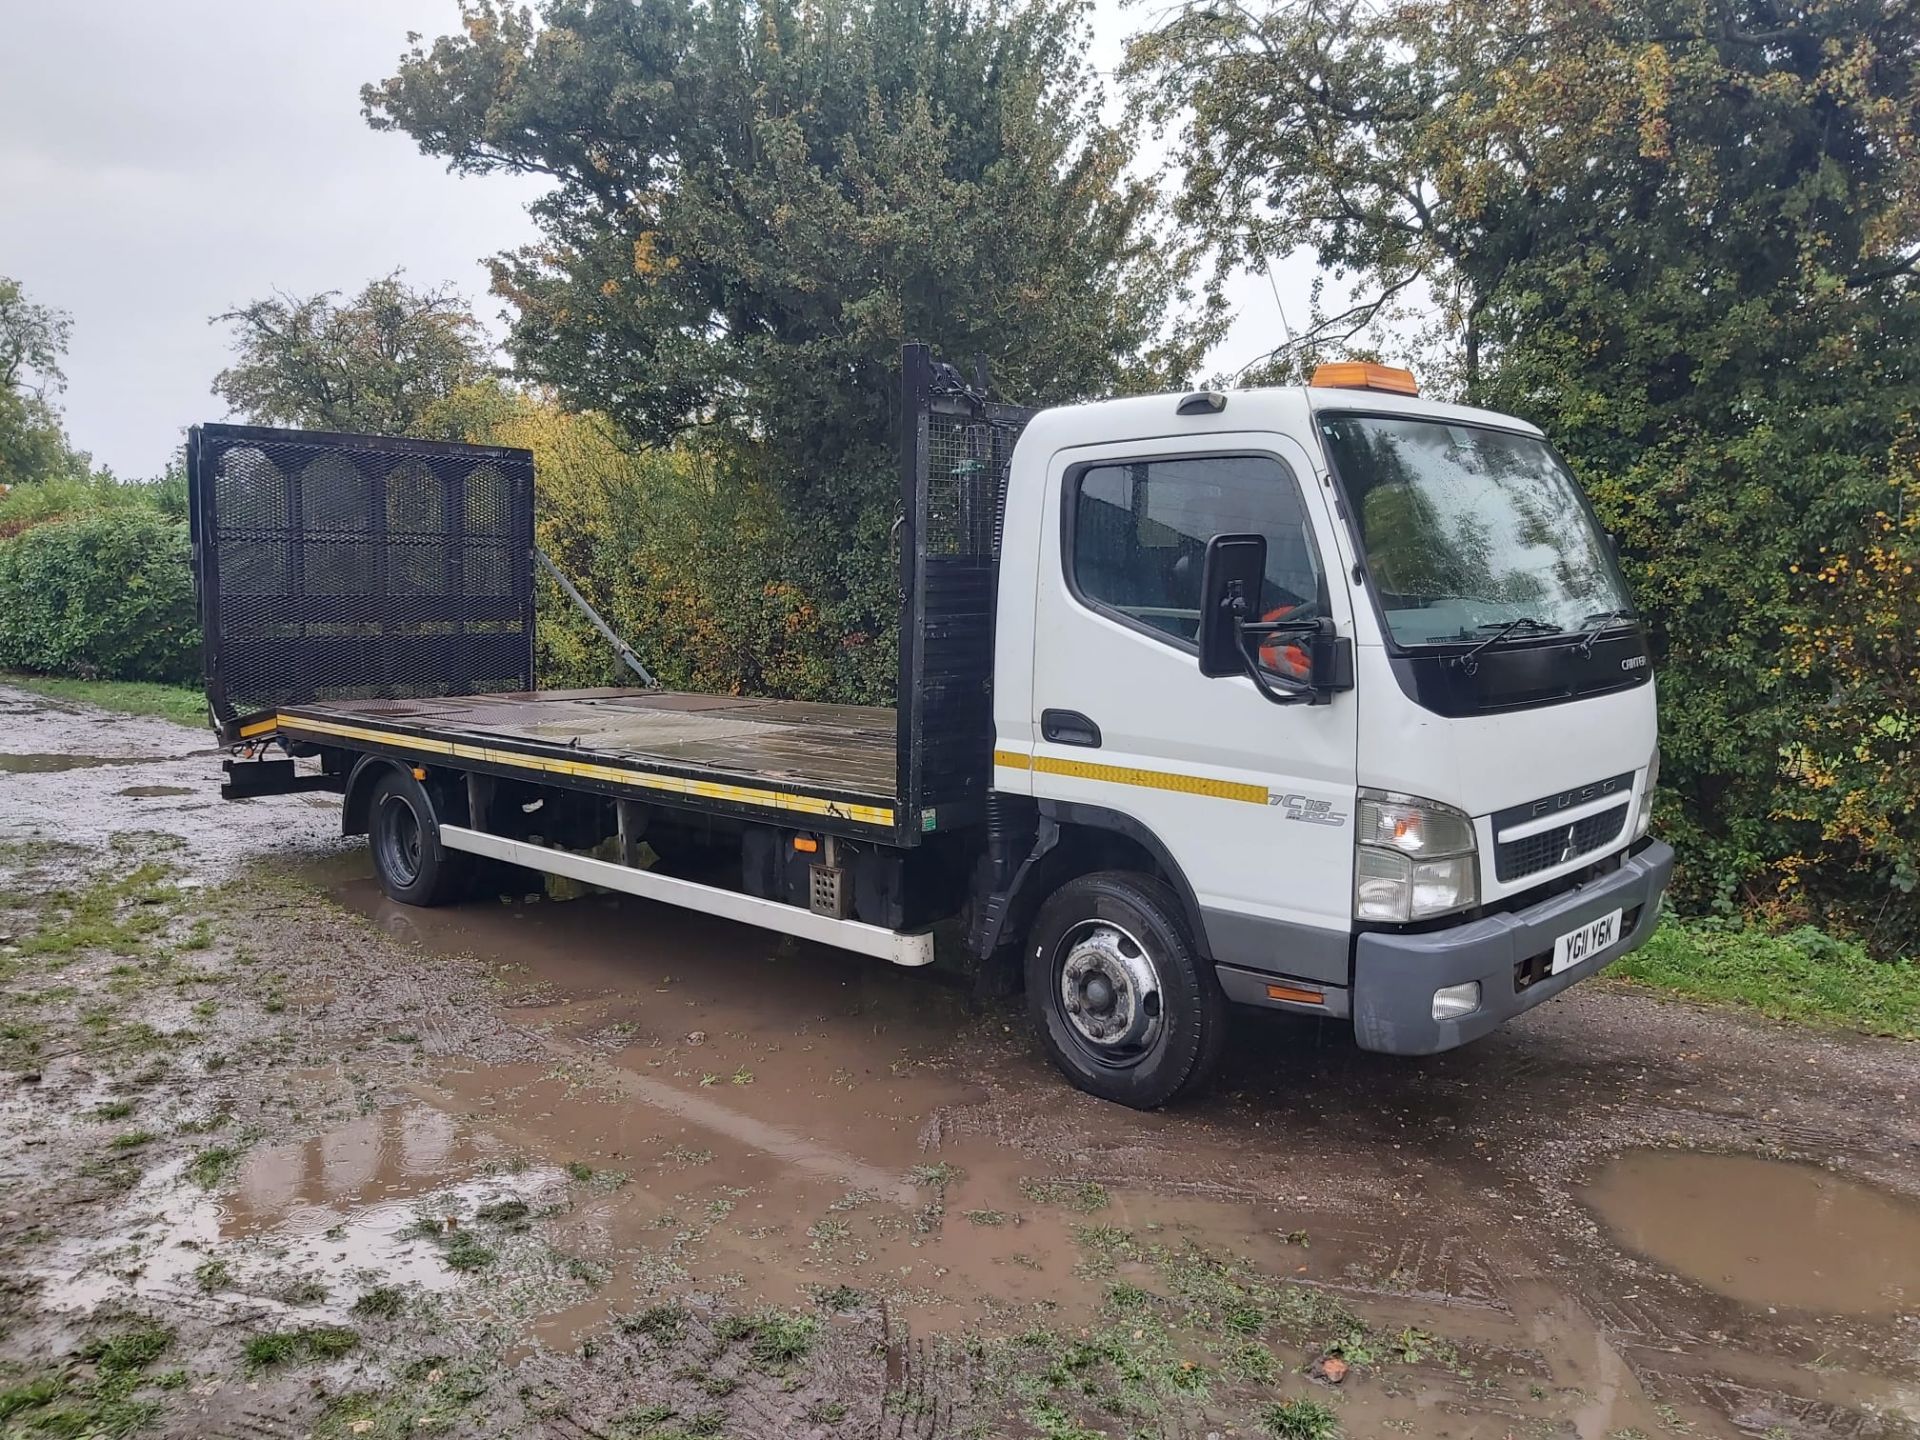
(103, 593)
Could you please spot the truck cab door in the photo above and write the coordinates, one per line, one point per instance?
(1252, 801)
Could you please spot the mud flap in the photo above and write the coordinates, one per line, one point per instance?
(249, 778)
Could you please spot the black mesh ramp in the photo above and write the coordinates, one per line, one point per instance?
(353, 567)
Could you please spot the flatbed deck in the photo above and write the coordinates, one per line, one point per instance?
(838, 763)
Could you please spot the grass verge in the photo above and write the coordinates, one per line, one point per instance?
(177, 703)
(109, 1396)
(1805, 975)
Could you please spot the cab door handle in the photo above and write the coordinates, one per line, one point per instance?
(1069, 727)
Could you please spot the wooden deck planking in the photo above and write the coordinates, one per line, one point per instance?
(848, 748)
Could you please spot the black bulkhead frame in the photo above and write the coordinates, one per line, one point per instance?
(955, 452)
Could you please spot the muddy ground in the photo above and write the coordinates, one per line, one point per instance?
(280, 1158)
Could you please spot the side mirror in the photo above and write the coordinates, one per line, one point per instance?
(1230, 581)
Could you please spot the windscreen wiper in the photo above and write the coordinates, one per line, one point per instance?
(1611, 618)
(1503, 629)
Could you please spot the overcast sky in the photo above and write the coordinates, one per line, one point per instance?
(162, 163)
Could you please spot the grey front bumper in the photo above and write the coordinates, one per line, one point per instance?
(1395, 975)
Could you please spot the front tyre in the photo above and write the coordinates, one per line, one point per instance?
(407, 858)
(1124, 1005)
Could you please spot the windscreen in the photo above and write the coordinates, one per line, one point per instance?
(1467, 530)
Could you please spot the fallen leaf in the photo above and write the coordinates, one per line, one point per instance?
(1330, 1368)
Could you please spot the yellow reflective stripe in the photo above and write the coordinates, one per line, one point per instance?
(259, 727)
(1152, 779)
(586, 769)
(1129, 775)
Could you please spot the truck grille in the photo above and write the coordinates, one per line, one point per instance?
(1517, 859)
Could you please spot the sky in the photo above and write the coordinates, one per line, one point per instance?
(163, 163)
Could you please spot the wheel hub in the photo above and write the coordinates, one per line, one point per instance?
(1109, 989)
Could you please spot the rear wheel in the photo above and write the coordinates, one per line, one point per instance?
(1125, 1006)
(407, 857)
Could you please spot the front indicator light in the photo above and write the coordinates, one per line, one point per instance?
(1413, 827)
(1452, 1002)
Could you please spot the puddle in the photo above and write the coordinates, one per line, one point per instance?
(1765, 1232)
(767, 1195)
(789, 1117)
(765, 1123)
(305, 1227)
(100, 765)
(388, 1154)
(23, 702)
(47, 764)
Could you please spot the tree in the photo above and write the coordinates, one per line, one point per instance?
(33, 341)
(756, 201)
(1682, 235)
(33, 338)
(392, 361)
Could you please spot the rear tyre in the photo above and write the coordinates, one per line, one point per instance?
(1125, 1006)
(407, 858)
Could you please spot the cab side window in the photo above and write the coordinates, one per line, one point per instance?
(1138, 533)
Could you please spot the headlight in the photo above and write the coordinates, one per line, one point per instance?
(1643, 821)
(1415, 859)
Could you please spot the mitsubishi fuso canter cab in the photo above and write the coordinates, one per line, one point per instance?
(1326, 699)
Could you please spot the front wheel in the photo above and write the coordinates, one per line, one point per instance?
(1124, 1005)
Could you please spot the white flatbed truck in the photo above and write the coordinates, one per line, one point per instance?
(1325, 699)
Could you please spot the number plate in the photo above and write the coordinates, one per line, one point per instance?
(1589, 940)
